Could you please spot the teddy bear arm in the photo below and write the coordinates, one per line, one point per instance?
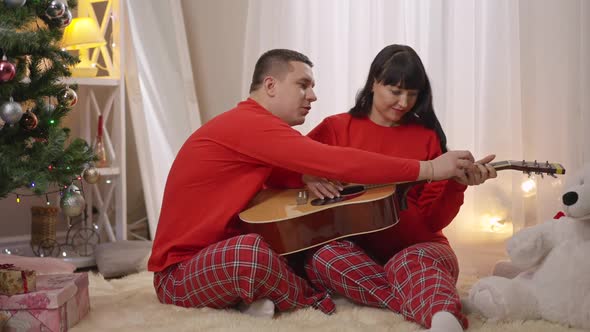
(529, 246)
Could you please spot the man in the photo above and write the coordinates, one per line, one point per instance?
(200, 256)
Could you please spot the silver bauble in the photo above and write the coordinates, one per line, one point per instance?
(56, 9)
(49, 108)
(14, 3)
(91, 175)
(11, 112)
(72, 202)
(66, 19)
(68, 97)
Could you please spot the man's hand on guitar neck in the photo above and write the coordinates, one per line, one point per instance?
(322, 187)
(479, 173)
(452, 164)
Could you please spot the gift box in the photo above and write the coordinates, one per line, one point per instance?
(60, 301)
(16, 281)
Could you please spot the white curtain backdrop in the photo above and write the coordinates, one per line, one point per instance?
(509, 77)
(161, 92)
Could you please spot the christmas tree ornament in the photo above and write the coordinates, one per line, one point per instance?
(56, 9)
(49, 108)
(72, 202)
(91, 174)
(14, 3)
(68, 97)
(29, 120)
(7, 70)
(66, 19)
(99, 148)
(11, 112)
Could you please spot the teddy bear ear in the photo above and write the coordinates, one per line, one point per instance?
(578, 177)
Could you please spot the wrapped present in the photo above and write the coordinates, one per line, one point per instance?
(60, 301)
(16, 281)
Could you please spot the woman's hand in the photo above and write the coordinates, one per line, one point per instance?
(322, 187)
(479, 173)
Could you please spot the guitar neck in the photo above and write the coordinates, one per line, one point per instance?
(523, 166)
(529, 166)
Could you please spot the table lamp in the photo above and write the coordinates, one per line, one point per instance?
(82, 34)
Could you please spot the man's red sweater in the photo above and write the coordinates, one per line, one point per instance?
(225, 163)
(431, 207)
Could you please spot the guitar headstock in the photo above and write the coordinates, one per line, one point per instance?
(530, 167)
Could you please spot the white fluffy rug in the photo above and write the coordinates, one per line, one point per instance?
(130, 304)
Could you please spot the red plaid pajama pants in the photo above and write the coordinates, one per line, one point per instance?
(417, 282)
(242, 268)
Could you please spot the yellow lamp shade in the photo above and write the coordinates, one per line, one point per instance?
(82, 33)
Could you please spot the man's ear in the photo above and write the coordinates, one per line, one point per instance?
(269, 84)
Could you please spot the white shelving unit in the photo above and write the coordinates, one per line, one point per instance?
(105, 95)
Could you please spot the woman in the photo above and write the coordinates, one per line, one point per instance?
(409, 268)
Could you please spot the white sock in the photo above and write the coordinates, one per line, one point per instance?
(444, 321)
(264, 308)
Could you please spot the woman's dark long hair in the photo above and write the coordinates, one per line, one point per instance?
(401, 65)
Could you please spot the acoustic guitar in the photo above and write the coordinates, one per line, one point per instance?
(290, 222)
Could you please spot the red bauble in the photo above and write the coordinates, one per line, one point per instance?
(7, 70)
(29, 120)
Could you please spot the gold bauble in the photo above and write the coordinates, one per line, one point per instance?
(91, 175)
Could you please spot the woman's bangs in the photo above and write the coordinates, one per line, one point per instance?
(403, 72)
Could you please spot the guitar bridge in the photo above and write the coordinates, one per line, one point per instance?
(301, 198)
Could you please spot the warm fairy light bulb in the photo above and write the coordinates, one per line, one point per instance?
(495, 223)
(17, 199)
(108, 181)
(529, 187)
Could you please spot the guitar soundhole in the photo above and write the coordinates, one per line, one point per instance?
(351, 190)
(346, 193)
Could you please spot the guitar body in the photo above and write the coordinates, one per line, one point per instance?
(289, 227)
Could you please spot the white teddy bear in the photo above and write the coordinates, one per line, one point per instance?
(554, 256)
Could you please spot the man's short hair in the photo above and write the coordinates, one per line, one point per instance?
(275, 63)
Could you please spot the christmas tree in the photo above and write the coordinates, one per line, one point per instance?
(35, 151)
